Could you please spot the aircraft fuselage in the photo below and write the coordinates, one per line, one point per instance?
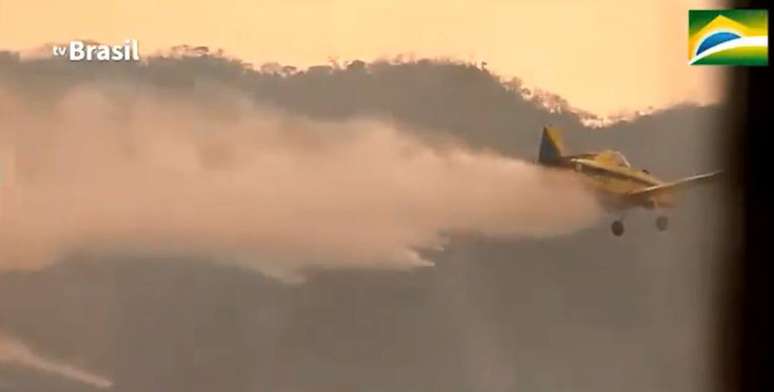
(615, 184)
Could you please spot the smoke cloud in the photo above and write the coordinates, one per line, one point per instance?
(113, 168)
(16, 352)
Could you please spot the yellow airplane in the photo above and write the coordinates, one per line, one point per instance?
(618, 184)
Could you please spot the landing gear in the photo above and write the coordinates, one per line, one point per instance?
(617, 228)
(662, 222)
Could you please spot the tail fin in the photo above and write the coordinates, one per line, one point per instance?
(551, 146)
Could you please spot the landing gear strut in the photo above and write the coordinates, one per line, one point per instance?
(617, 228)
(662, 223)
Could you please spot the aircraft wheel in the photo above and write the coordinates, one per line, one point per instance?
(662, 223)
(617, 228)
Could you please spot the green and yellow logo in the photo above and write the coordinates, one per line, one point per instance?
(728, 37)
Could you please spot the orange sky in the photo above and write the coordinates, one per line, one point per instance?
(602, 55)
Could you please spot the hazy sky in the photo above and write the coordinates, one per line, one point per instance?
(599, 54)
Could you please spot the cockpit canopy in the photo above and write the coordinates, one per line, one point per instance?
(611, 157)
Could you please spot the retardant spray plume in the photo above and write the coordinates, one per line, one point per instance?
(16, 352)
(109, 168)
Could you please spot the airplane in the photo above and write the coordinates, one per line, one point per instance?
(619, 185)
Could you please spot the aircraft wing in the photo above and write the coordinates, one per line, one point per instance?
(677, 185)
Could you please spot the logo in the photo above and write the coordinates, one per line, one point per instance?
(728, 37)
(83, 51)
